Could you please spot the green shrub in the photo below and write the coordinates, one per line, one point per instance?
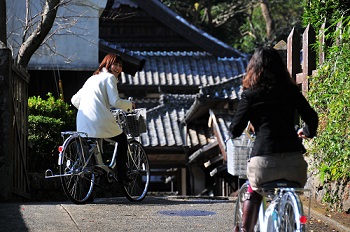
(47, 118)
(317, 12)
(330, 95)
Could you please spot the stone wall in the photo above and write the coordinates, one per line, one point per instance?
(340, 190)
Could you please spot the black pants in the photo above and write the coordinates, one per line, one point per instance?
(121, 154)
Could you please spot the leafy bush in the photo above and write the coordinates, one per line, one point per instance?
(47, 118)
(330, 95)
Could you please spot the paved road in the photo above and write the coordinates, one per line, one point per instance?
(118, 214)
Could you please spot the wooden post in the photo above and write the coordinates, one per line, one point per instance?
(340, 31)
(6, 120)
(3, 33)
(322, 41)
(309, 58)
(293, 53)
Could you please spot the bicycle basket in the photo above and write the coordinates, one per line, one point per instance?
(238, 151)
(136, 122)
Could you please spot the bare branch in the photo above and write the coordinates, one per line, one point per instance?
(33, 42)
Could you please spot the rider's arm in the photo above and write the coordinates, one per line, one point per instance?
(113, 96)
(240, 120)
(308, 115)
(76, 99)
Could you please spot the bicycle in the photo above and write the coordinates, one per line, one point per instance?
(80, 161)
(281, 208)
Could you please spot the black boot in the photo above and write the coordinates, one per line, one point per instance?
(250, 211)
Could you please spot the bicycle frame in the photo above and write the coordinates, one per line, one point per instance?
(274, 212)
(95, 149)
(268, 219)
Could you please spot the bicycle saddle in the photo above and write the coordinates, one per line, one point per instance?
(280, 184)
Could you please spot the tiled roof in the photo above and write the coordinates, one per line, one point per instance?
(227, 89)
(165, 127)
(223, 118)
(214, 96)
(184, 69)
(180, 68)
(147, 103)
(164, 121)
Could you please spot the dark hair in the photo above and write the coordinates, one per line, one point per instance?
(266, 70)
(110, 58)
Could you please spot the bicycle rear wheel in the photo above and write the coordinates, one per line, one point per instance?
(138, 171)
(290, 213)
(77, 170)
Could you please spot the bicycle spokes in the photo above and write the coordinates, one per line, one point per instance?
(138, 172)
(77, 180)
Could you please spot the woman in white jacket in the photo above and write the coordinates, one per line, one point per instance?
(94, 100)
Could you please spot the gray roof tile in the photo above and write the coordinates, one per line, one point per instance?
(163, 121)
(189, 69)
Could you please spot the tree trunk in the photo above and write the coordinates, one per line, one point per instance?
(33, 42)
(270, 23)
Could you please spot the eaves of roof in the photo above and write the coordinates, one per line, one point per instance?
(223, 119)
(221, 169)
(132, 62)
(214, 96)
(190, 32)
(201, 152)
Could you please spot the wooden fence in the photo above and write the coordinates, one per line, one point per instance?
(14, 128)
(302, 57)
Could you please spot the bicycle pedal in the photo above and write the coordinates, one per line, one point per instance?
(111, 177)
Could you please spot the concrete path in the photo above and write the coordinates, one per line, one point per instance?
(118, 214)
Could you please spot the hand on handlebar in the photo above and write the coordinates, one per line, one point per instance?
(133, 103)
(301, 134)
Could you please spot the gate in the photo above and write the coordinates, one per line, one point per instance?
(14, 128)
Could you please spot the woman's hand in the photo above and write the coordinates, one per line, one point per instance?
(301, 134)
(132, 102)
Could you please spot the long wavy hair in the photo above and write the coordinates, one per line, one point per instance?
(110, 58)
(266, 70)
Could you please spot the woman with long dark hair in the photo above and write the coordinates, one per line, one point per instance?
(270, 101)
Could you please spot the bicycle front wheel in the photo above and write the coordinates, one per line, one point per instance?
(239, 205)
(290, 213)
(138, 171)
(76, 170)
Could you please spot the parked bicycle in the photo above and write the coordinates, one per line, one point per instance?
(280, 210)
(81, 164)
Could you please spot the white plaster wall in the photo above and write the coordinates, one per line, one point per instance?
(74, 44)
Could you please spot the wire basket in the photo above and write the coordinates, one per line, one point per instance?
(238, 151)
(136, 122)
